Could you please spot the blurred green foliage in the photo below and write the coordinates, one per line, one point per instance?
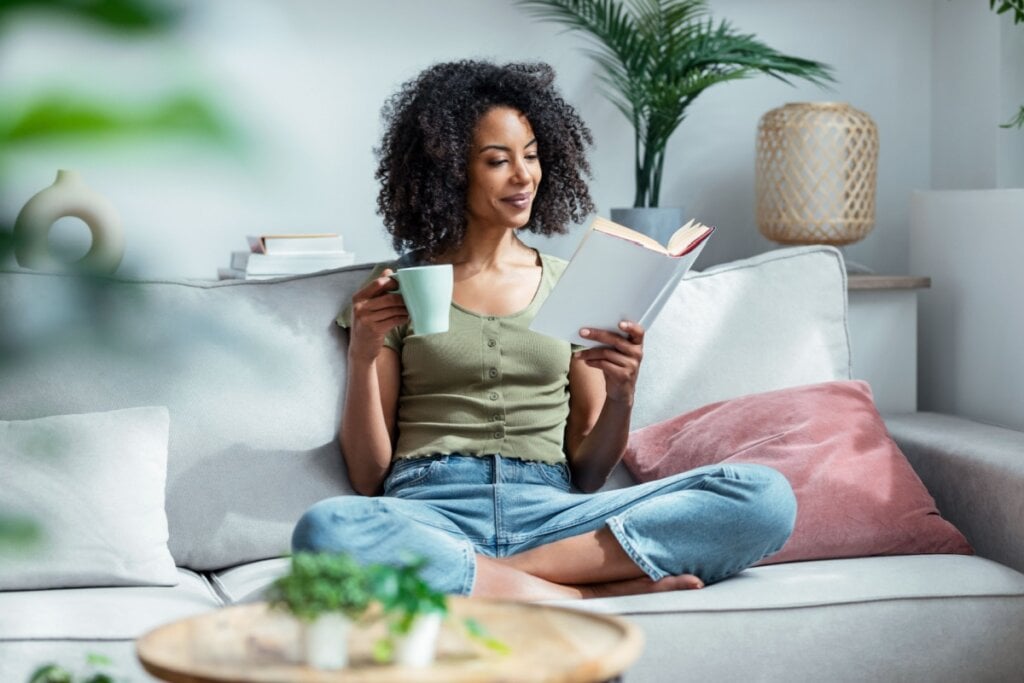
(17, 533)
(54, 673)
(46, 117)
(122, 15)
(1017, 7)
(64, 115)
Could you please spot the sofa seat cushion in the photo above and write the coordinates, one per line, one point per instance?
(102, 613)
(247, 582)
(935, 618)
(818, 583)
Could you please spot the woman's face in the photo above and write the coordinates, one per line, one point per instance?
(504, 171)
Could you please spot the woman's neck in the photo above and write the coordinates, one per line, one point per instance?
(490, 249)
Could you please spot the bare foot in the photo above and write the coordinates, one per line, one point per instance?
(642, 585)
(495, 579)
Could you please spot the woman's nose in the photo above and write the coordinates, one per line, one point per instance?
(520, 171)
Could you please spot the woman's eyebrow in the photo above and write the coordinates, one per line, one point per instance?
(506, 148)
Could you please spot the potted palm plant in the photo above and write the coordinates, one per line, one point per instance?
(327, 592)
(655, 57)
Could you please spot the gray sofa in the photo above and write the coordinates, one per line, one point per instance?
(251, 374)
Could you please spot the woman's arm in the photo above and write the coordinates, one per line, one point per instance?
(602, 382)
(367, 432)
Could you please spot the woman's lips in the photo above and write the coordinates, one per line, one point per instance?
(520, 201)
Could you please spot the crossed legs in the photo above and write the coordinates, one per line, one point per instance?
(679, 533)
(589, 565)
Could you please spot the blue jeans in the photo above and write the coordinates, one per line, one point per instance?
(712, 521)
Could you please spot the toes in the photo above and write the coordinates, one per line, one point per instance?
(682, 582)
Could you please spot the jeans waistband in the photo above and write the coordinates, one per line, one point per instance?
(485, 469)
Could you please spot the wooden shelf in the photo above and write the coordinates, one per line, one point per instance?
(887, 282)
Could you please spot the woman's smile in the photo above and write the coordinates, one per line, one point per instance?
(521, 200)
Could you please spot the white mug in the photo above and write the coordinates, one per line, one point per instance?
(427, 291)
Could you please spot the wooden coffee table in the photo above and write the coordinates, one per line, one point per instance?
(254, 644)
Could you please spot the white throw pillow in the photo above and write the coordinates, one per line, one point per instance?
(772, 321)
(94, 484)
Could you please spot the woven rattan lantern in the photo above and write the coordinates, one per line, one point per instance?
(816, 173)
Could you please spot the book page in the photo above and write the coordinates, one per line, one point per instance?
(606, 226)
(687, 237)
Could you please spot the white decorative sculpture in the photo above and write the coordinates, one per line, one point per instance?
(69, 196)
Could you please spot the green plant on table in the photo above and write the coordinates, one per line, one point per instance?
(53, 673)
(404, 597)
(657, 56)
(320, 583)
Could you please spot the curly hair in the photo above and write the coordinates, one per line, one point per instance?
(423, 157)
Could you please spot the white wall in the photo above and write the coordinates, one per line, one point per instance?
(968, 233)
(977, 83)
(305, 80)
(971, 321)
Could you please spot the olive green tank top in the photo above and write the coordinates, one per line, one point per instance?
(488, 386)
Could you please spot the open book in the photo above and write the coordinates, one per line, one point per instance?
(617, 274)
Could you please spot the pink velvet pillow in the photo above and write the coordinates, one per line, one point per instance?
(856, 493)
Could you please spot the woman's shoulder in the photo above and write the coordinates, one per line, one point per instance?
(553, 265)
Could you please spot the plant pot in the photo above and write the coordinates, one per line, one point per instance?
(419, 646)
(658, 222)
(326, 641)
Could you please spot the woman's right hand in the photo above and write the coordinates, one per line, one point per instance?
(375, 310)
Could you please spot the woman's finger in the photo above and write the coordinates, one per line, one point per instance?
(604, 353)
(376, 287)
(380, 302)
(611, 339)
(634, 330)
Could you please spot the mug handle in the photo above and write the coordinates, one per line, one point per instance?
(398, 289)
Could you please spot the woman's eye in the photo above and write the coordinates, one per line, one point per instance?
(496, 162)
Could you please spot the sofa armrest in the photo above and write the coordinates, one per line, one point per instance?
(975, 472)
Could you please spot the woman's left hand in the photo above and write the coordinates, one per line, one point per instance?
(618, 358)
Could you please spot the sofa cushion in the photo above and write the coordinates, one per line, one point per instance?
(768, 322)
(102, 613)
(94, 484)
(856, 493)
(247, 582)
(936, 618)
(251, 372)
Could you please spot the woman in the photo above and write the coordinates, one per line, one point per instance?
(476, 436)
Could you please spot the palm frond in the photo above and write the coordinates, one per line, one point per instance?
(655, 57)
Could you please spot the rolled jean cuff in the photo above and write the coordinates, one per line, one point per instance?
(622, 536)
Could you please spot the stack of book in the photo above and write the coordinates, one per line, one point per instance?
(271, 256)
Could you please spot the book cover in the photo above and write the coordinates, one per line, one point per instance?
(317, 243)
(617, 274)
(296, 264)
(239, 259)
